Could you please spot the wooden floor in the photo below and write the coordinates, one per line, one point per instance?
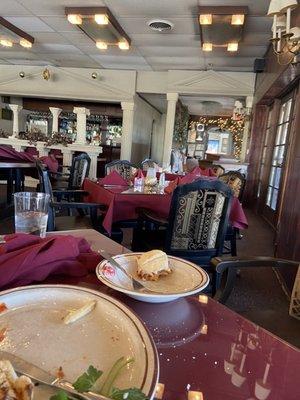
(258, 294)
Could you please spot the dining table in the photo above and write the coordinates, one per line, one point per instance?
(123, 202)
(14, 176)
(206, 351)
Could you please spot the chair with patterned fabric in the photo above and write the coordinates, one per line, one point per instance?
(148, 163)
(125, 168)
(196, 226)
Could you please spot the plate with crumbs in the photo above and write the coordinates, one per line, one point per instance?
(185, 279)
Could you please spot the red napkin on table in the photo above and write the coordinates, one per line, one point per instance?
(139, 174)
(114, 178)
(188, 178)
(51, 162)
(172, 186)
(27, 258)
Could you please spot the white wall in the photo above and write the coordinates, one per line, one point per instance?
(144, 115)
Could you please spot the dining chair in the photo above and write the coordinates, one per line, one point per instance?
(196, 225)
(236, 181)
(226, 271)
(73, 179)
(91, 218)
(148, 163)
(123, 167)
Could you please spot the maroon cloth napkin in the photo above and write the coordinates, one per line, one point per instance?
(27, 258)
(51, 162)
(188, 178)
(114, 178)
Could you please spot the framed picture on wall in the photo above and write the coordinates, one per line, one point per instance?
(224, 145)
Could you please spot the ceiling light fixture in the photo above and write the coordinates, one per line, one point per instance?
(6, 42)
(123, 45)
(207, 46)
(205, 19)
(237, 19)
(232, 47)
(101, 19)
(101, 45)
(25, 43)
(75, 19)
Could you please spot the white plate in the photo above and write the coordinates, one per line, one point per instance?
(186, 279)
(36, 333)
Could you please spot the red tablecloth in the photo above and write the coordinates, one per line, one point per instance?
(123, 206)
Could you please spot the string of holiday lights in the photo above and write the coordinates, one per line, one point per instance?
(235, 127)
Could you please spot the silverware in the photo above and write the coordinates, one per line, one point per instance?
(138, 286)
(37, 374)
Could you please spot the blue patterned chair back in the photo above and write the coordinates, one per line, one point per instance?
(146, 164)
(123, 167)
(198, 219)
(79, 171)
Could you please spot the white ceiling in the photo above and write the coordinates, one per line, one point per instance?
(62, 44)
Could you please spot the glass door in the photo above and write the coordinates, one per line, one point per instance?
(276, 169)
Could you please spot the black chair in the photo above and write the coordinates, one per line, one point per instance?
(237, 181)
(73, 180)
(123, 167)
(68, 222)
(224, 285)
(147, 163)
(196, 225)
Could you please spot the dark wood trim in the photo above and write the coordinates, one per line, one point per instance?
(223, 10)
(16, 30)
(91, 11)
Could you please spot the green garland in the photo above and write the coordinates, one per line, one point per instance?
(181, 125)
(226, 124)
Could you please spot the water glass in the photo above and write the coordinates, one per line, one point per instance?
(31, 213)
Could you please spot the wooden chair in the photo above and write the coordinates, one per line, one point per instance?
(196, 226)
(148, 163)
(224, 285)
(73, 180)
(123, 167)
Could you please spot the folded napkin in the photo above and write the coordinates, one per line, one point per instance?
(51, 162)
(172, 186)
(114, 178)
(27, 258)
(10, 154)
(139, 174)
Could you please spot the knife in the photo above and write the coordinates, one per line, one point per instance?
(37, 374)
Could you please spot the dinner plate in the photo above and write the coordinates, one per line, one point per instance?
(36, 333)
(186, 279)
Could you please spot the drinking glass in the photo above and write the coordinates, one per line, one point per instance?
(31, 212)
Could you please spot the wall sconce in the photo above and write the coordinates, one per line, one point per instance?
(285, 40)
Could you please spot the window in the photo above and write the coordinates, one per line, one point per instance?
(278, 154)
(264, 152)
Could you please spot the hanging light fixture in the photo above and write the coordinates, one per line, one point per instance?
(101, 45)
(285, 40)
(237, 19)
(101, 19)
(124, 45)
(6, 42)
(207, 46)
(74, 19)
(25, 43)
(232, 47)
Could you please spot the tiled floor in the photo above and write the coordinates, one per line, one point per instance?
(258, 295)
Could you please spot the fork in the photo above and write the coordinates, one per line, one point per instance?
(138, 286)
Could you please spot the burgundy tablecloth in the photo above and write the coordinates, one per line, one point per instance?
(9, 154)
(27, 258)
(123, 206)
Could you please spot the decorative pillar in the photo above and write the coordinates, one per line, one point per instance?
(55, 114)
(81, 112)
(127, 129)
(93, 166)
(249, 104)
(15, 109)
(169, 131)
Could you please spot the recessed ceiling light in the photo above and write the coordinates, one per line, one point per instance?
(207, 47)
(232, 46)
(237, 19)
(25, 43)
(6, 42)
(123, 45)
(205, 19)
(101, 19)
(160, 25)
(75, 19)
(101, 45)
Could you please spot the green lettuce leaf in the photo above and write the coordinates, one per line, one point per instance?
(87, 380)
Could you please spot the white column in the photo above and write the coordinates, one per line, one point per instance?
(169, 131)
(55, 114)
(15, 109)
(81, 112)
(93, 166)
(249, 104)
(127, 129)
